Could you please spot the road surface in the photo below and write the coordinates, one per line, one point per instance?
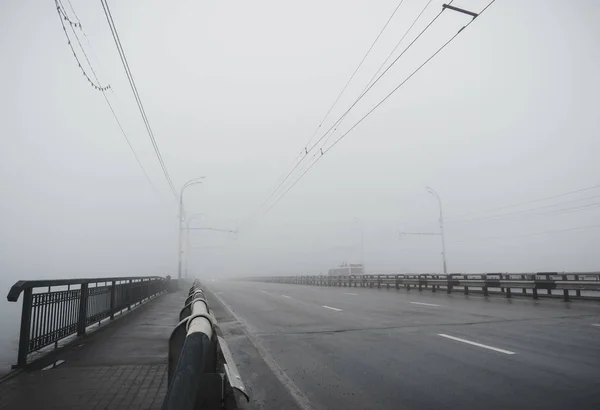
(360, 348)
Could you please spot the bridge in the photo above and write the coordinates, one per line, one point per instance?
(461, 341)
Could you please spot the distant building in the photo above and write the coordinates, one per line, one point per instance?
(347, 269)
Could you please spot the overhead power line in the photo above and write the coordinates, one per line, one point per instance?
(102, 89)
(382, 101)
(138, 99)
(63, 17)
(337, 122)
(295, 163)
(526, 202)
(489, 238)
(367, 87)
(527, 212)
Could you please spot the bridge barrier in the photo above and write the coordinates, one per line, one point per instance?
(201, 372)
(568, 285)
(58, 308)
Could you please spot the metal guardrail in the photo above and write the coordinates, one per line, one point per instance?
(55, 309)
(567, 285)
(202, 374)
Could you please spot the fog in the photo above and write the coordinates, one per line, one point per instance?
(507, 113)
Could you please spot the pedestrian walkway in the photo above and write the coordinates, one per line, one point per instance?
(120, 366)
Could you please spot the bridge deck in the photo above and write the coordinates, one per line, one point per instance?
(120, 366)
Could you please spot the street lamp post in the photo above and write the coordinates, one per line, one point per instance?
(436, 195)
(189, 183)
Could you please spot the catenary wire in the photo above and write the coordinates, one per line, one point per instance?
(132, 84)
(307, 151)
(299, 158)
(382, 101)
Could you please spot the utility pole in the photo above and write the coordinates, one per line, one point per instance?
(436, 195)
(189, 183)
(440, 233)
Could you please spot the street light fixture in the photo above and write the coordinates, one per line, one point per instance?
(437, 196)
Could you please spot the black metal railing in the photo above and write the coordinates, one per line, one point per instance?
(55, 309)
(568, 285)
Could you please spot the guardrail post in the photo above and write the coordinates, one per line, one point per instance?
(577, 291)
(81, 320)
(25, 326)
(113, 299)
(484, 287)
(449, 283)
(566, 296)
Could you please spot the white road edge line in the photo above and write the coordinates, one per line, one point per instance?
(596, 324)
(332, 308)
(424, 304)
(286, 296)
(458, 339)
(351, 294)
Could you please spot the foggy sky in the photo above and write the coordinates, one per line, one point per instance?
(233, 90)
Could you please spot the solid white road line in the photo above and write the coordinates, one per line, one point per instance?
(351, 294)
(286, 296)
(424, 304)
(263, 291)
(596, 324)
(458, 339)
(332, 308)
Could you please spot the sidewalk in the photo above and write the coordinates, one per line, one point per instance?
(120, 366)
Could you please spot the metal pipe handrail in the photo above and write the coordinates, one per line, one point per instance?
(201, 369)
(194, 359)
(20, 286)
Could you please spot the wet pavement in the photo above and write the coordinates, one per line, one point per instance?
(358, 348)
(122, 365)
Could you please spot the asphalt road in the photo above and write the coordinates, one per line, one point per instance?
(355, 348)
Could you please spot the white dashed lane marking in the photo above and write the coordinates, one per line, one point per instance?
(458, 339)
(424, 304)
(332, 308)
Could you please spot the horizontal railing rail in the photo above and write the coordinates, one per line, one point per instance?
(58, 308)
(568, 285)
(201, 373)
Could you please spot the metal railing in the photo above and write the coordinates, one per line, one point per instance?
(55, 309)
(201, 374)
(568, 285)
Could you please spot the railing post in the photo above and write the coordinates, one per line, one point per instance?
(130, 296)
(113, 299)
(25, 327)
(449, 283)
(81, 320)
